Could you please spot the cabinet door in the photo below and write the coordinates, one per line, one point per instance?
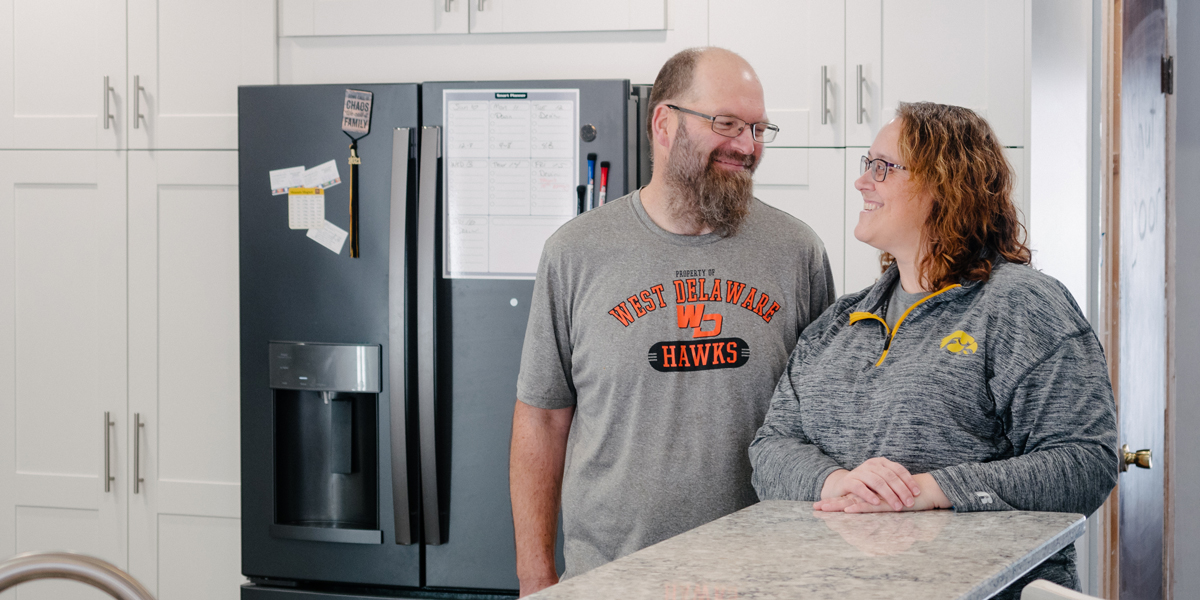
(298, 18)
(520, 16)
(800, 40)
(807, 183)
(62, 358)
(53, 69)
(864, 62)
(187, 59)
(185, 528)
(965, 52)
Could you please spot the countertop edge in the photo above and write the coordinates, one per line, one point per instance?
(994, 584)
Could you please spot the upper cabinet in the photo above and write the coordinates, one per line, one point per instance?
(803, 91)
(186, 61)
(75, 86)
(525, 16)
(371, 17)
(969, 54)
(63, 74)
(298, 18)
(834, 71)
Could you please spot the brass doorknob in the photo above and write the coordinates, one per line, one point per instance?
(1140, 458)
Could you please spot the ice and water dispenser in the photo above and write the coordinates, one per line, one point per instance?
(325, 405)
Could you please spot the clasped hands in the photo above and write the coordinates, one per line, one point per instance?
(880, 485)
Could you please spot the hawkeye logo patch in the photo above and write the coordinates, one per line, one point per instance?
(959, 342)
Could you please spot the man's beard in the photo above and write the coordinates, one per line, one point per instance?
(702, 195)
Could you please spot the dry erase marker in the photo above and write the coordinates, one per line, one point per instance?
(603, 182)
(582, 192)
(591, 179)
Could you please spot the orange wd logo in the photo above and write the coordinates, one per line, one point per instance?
(959, 342)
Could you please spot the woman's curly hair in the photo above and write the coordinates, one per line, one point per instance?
(952, 154)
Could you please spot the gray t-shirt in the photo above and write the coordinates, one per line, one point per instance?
(668, 346)
(899, 302)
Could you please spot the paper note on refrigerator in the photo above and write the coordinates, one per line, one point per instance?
(324, 175)
(283, 180)
(306, 208)
(511, 160)
(329, 235)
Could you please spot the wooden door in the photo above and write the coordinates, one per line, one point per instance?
(53, 63)
(968, 53)
(811, 35)
(186, 61)
(63, 359)
(1140, 364)
(807, 183)
(185, 527)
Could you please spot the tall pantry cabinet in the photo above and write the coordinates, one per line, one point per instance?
(119, 285)
(848, 64)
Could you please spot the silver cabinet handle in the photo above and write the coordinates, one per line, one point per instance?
(480, 9)
(137, 103)
(861, 111)
(108, 116)
(138, 425)
(447, 5)
(108, 425)
(825, 112)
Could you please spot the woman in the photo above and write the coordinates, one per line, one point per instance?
(963, 378)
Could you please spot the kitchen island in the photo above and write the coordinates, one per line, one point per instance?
(780, 549)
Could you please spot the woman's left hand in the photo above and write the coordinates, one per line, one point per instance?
(931, 498)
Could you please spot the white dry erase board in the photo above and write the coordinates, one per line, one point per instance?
(510, 168)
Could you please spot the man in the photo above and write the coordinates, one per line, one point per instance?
(659, 327)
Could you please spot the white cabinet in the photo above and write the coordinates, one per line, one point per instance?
(525, 16)
(864, 85)
(969, 54)
(184, 375)
(797, 42)
(54, 63)
(299, 18)
(63, 358)
(188, 58)
(807, 183)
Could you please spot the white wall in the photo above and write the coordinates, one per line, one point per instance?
(1059, 141)
(1059, 160)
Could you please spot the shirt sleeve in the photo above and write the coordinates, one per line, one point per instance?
(544, 380)
(787, 465)
(1062, 426)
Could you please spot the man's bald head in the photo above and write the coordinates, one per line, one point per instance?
(687, 74)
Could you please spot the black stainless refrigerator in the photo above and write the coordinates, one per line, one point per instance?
(377, 390)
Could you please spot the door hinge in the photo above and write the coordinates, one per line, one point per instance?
(1168, 74)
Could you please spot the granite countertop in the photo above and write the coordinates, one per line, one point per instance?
(780, 549)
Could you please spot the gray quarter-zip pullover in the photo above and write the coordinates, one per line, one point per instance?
(999, 390)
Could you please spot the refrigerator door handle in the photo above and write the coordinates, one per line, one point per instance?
(398, 307)
(427, 266)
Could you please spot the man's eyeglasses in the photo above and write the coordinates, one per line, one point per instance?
(878, 167)
(727, 126)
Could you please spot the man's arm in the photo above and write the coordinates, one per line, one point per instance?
(535, 472)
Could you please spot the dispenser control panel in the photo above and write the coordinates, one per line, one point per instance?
(325, 367)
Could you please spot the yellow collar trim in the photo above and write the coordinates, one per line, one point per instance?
(891, 333)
